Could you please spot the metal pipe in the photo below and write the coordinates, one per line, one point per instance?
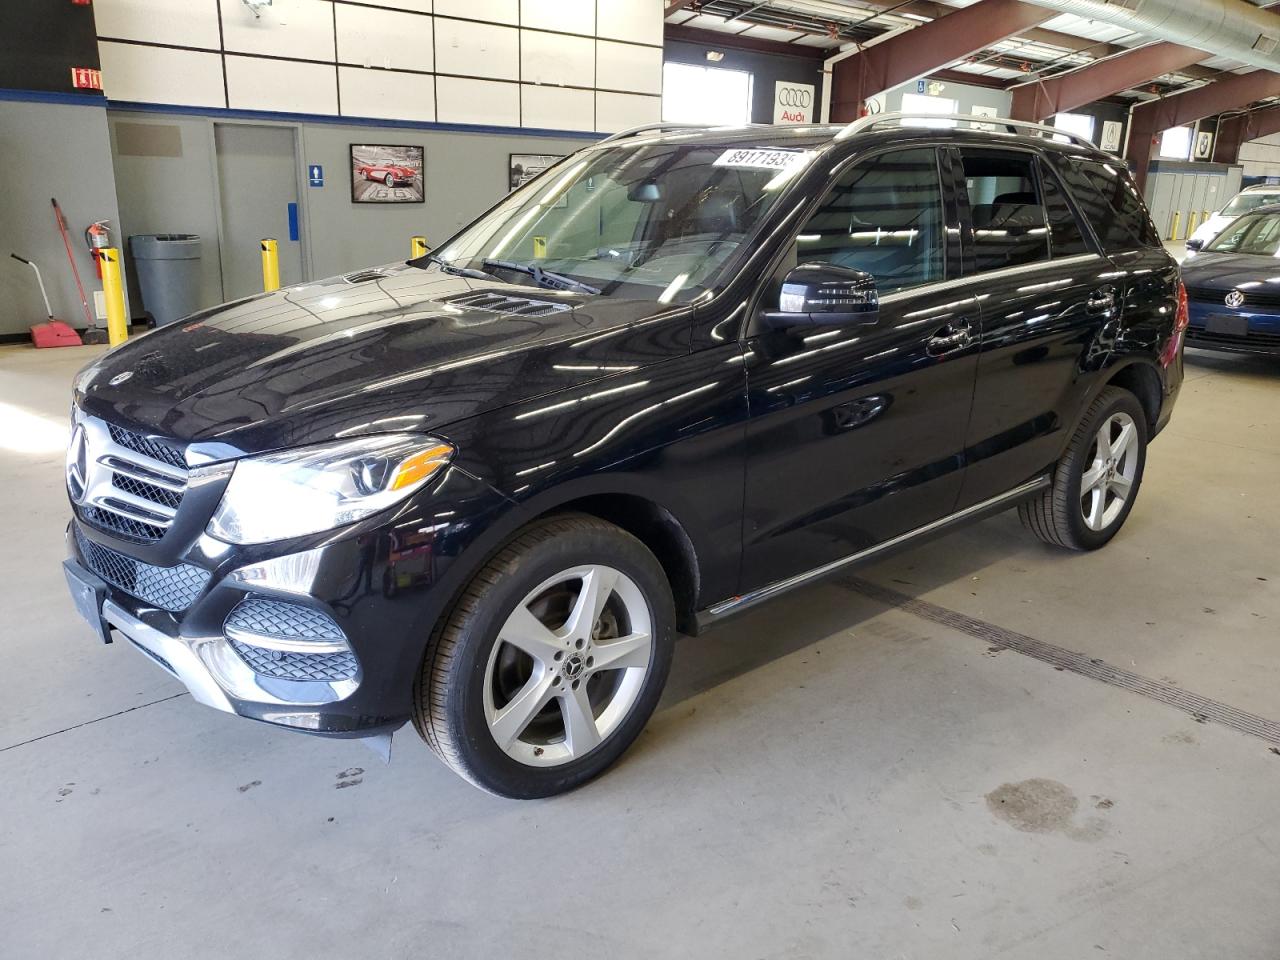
(1231, 28)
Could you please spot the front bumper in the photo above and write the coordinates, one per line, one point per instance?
(384, 584)
(1261, 336)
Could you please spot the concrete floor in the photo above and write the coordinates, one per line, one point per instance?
(828, 777)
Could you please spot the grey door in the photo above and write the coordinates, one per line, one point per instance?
(257, 184)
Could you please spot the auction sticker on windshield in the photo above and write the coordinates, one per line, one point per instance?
(762, 159)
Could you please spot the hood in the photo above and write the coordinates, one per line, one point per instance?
(388, 349)
(1226, 271)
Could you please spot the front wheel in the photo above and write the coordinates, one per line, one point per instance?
(390, 181)
(1097, 479)
(551, 662)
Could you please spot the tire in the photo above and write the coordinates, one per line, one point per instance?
(1090, 497)
(516, 723)
(390, 181)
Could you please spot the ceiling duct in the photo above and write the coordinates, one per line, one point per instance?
(1228, 28)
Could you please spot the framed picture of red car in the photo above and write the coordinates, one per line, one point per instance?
(384, 173)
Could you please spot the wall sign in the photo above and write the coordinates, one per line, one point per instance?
(523, 167)
(1111, 131)
(1204, 146)
(793, 102)
(315, 175)
(383, 173)
(86, 78)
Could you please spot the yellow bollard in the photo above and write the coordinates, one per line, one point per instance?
(270, 266)
(113, 289)
(419, 247)
(1191, 223)
(1177, 222)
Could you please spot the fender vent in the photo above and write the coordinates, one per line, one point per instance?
(512, 306)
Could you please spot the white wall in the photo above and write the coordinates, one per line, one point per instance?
(967, 97)
(1261, 158)
(585, 65)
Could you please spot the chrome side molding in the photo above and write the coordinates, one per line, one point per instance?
(724, 608)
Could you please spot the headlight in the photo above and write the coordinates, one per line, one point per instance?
(297, 492)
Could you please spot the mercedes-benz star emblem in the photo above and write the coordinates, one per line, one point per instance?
(1234, 299)
(78, 465)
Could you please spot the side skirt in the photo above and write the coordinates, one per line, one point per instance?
(717, 612)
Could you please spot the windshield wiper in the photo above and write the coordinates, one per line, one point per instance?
(448, 267)
(543, 278)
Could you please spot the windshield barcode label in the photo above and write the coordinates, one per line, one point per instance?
(761, 159)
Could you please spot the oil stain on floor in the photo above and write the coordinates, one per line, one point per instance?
(1045, 806)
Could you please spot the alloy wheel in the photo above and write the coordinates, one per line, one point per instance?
(1107, 482)
(568, 665)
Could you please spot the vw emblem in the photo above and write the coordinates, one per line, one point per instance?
(78, 465)
(120, 378)
(1234, 299)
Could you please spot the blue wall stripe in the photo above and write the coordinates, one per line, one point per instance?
(37, 96)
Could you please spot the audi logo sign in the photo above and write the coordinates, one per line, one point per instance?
(793, 102)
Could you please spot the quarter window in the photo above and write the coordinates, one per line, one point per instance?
(1009, 226)
(1119, 215)
(883, 216)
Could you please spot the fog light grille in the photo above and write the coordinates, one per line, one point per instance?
(289, 641)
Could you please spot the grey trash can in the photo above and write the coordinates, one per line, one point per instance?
(168, 266)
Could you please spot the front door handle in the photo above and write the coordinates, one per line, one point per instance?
(954, 336)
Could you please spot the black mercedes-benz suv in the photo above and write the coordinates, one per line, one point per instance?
(681, 372)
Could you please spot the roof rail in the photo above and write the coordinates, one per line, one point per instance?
(863, 124)
(662, 127)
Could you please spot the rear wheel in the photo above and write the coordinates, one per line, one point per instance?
(551, 662)
(1097, 479)
(390, 181)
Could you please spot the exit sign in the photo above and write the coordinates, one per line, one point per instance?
(86, 78)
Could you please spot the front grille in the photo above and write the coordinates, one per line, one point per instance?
(329, 667)
(124, 527)
(148, 446)
(169, 588)
(128, 484)
(1252, 297)
(276, 618)
(513, 306)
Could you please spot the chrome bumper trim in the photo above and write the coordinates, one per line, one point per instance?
(214, 672)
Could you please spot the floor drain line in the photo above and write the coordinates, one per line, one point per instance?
(1200, 708)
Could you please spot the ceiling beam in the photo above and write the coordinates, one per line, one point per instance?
(676, 5)
(1148, 120)
(1235, 131)
(923, 49)
(716, 40)
(1041, 98)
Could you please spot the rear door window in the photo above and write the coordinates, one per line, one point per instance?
(1005, 208)
(1066, 238)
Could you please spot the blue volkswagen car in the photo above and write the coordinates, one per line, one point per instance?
(1233, 286)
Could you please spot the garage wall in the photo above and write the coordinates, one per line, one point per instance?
(581, 65)
(165, 176)
(1261, 158)
(967, 97)
(50, 150)
(766, 70)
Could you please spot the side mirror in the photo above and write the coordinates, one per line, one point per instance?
(823, 294)
(1195, 244)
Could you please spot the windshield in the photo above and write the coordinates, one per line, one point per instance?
(1256, 233)
(1244, 202)
(656, 221)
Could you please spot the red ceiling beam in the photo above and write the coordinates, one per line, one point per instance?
(925, 48)
(1040, 99)
(1149, 119)
(1234, 132)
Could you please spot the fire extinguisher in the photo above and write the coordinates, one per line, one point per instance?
(98, 236)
